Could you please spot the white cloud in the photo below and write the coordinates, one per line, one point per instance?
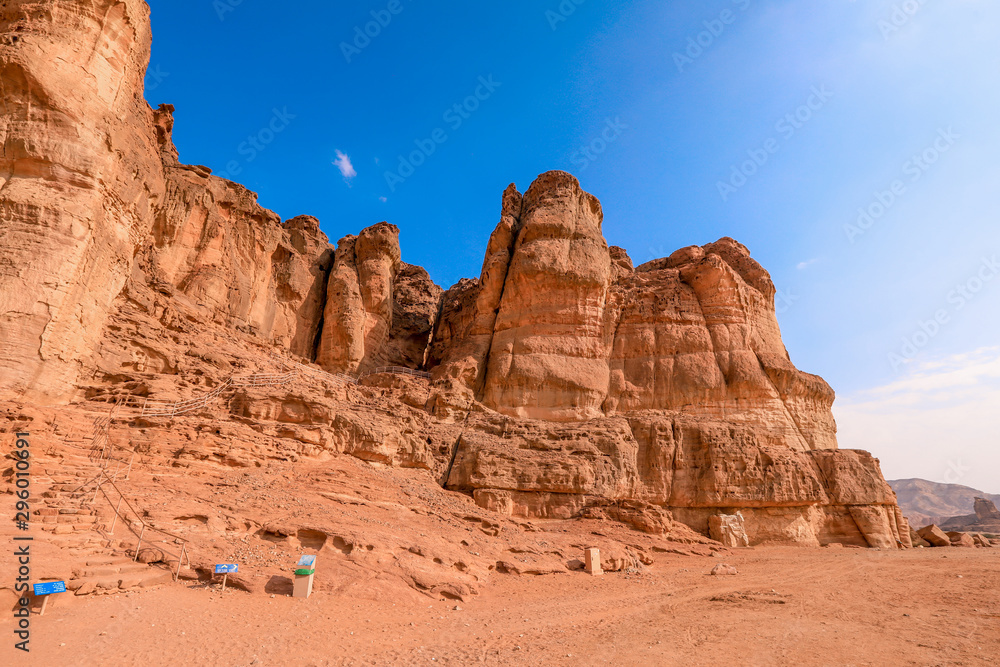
(343, 163)
(939, 422)
(805, 265)
(383, 199)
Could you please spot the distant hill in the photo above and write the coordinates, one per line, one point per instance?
(926, 502)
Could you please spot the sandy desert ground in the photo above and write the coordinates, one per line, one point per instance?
(787, 606)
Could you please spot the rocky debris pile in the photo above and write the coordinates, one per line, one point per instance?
(935, 537)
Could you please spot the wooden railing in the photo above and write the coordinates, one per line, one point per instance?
(102, 453)
(103, 483)
(395, 370)
(103, 449)
(158, 408)
(100, 482)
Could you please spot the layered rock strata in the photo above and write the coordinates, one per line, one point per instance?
(80, 181)
(567, 383)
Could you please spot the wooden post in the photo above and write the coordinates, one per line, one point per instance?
(180, 559)
(115, 520)
(139, 543)
(45, 601)
(224, 581)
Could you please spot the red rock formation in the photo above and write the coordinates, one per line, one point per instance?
(686, 348)
(214, 244)
(548, 357)
(79, 181)
(567, 383)
(986, 510)
(379, 311)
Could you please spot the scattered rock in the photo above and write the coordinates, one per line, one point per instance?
(961, 540)
(934, 536)
(728, 529)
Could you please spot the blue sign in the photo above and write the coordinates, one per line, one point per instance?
(226, 569)
(50, 587)
(307, 561)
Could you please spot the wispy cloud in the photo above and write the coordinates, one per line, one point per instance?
(939, 422)
(343, 163)
(806, 264)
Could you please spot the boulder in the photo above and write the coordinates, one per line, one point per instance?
(917, 540)
(728, 529)
(961, 540)
(151, 555)
(934, 536)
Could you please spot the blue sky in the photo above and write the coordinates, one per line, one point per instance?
(888, 107)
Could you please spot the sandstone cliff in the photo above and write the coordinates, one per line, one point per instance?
(80, 181)
(567, 384)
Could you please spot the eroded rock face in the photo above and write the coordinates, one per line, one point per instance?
(379, 310)
(415, 303)
(729, 530)
(548, 358)
(79, 181)
(567, 382)
(986, 510)
(567, 330)
(215, 245)
(671, 380)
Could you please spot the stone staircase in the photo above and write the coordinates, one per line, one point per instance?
(86, 513)
(67, 508)
(112, 574)
(78, 518)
